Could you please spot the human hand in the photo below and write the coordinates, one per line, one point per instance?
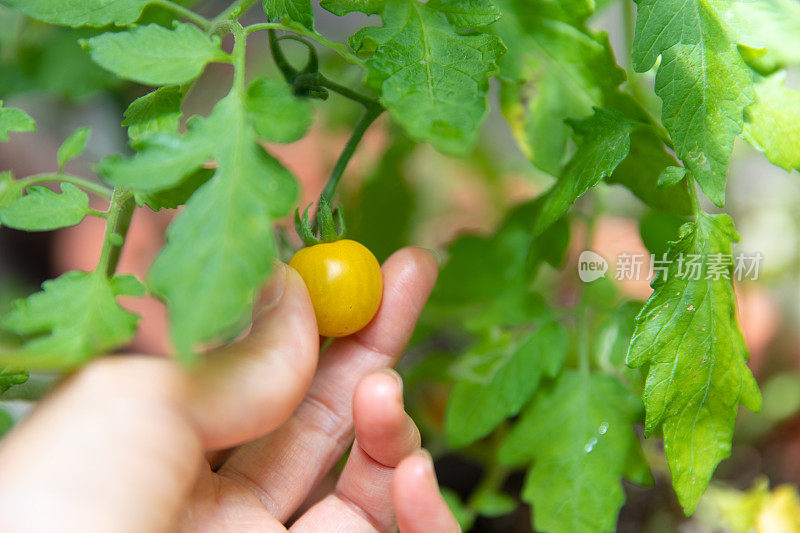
(124, 445)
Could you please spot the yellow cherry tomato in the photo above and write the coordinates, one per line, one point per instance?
(345, 283)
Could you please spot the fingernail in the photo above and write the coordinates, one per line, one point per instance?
(436, 255)
(425, 454)
(273, 292)
(393, 373)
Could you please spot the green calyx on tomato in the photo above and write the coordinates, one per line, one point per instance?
(343, 277)
(329, 225)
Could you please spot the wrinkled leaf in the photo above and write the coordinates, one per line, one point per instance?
(14, 120)
(688, 337)
(467, 14)
(220, 247)
(290, 10)
(73, 146)
(81, 12)
(604, 142)
(155, 55)
(579, 434)
(702, 80)
(73, 318)
(155, 112)
(497, 379)
(42, 209)
(432, 79)
(773, 123)
(276, 113)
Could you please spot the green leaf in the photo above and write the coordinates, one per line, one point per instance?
(549, 247)
(10, 377)
(671, 176)
(774, 26)
(432, 79)
(73, 146)
(75, 317)
(155, 112)
(604, 142)
(276, 113)
(164, 160)
(773, 123)
(50, 60)
(463, 514)
(127, 284)
(220, 247)
(155, 55)
(478, 266)
(344, 7)
(498, 378)
(641, 170)
(498, 270)
(579, 434)
(702, 80)
(6, 422)
(467, 14)
(10, 189)
(290, 10)
(658, 230)
(555, 70)
(175, 196)
(492, 504)
(44, 210)
(688, 337)
(613, 337)
(81, 12)
(14, 120)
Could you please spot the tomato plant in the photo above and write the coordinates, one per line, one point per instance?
(585, 384)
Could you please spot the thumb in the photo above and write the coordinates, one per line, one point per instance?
(245, 389)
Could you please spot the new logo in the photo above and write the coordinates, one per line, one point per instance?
(591, 266)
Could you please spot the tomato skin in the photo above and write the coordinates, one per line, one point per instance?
(345, 283)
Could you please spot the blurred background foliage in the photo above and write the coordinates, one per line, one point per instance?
(493, 290)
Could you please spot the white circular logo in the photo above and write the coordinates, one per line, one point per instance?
(591, 266)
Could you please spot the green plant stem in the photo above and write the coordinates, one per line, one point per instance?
(492, 481)
(301, 30)
(366, 101)
(286, 68)
(692, 190)
(118, 221)
(234, 10)
(239, 53)
(188, 14)
(264, 26)
(364, 122)
(629, 28)
(30, 391)
(83, 183)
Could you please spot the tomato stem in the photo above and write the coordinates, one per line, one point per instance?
(300, 30)
(235, 10)
(83, 183)
(119, 220)
(366, 101)
(188, 14)
(369, 116)
(239, 50)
